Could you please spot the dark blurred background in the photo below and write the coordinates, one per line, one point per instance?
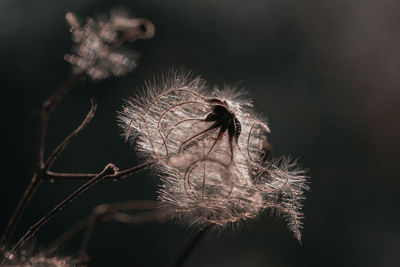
(326, 73)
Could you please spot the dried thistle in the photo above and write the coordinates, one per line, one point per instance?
(211, 153)
(97, 50)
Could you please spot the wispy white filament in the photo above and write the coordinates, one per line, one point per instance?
(207, 178)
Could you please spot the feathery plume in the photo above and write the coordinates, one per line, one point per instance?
(98, 49)
(211, 153)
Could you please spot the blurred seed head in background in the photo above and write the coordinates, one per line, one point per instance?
(98, 50)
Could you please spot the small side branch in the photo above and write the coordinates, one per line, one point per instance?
(109, 170)
(26, 198)
(115, 212)
(105, 213)
(47, 107)
(64, 143)
(40, 174)
(85, 176)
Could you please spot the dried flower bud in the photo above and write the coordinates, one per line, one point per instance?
(97, 49)
(210, 151)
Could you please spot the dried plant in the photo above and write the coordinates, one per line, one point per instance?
(98, 56)
(40, 261)
(211, 153)
(97, 50)
(209, 148)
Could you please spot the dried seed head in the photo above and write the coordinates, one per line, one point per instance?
(211, 154)
(98, 51)
(24, 259)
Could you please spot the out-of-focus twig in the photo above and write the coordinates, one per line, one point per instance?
(117, 212)
(109, 212)
(189, 246)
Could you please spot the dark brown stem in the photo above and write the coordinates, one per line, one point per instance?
(48, 106)
(107, 212)
(143, 217)
(27, 196)
(113, 212)
(85, 176)
(189, 246)
(67, 236)
(40, 174)
(64, 143)
(92, 222)
(109, 170)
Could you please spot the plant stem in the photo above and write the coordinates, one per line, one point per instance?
(27, 196)
(48, 106)
(189, 246)
(40, 175)
(85, 176)
(109, 170)
(106, 213)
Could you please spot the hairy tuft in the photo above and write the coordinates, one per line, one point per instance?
(212, 169)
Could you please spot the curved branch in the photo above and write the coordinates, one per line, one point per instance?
(109, 170)
(85, 176)
(64, 143)
(47, 107)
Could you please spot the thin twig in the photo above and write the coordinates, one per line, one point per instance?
(40, 174)
(64, 143)
(69, 176)
(189, 246)
(109, 170)
(26, 197)
(67, 236)
(48, 106)
(107, 212)
(113, 212)
(86, 176)
(136, 218)
(116, 216)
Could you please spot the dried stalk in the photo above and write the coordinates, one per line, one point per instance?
(42, 167)
(113, 212)
(48, 106)
(189, 246)
(109, 171)
(107, 212)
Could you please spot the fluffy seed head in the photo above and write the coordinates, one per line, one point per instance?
(211, 153)
(98, 51)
